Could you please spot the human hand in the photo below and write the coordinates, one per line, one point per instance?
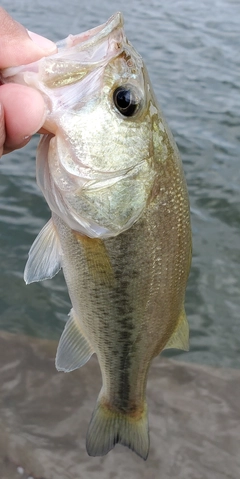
(22, 109)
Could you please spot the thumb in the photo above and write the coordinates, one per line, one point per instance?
(17, 47)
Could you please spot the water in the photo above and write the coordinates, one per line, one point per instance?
(192, 55)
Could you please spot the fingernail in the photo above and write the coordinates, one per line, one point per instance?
(47, 45)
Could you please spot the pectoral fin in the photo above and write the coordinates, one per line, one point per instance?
(180, 337)
(74, 349)
(98, 261)
(44, 255)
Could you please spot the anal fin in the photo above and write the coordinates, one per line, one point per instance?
(74, 349)
(180, 337)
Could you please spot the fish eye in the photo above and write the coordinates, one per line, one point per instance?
(126, 100)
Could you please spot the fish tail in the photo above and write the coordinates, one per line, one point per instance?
(109, 427)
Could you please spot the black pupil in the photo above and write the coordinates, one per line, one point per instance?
(125, 101)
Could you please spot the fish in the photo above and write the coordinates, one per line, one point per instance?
(120, 229)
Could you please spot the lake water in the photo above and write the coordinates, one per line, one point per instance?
(191, 50)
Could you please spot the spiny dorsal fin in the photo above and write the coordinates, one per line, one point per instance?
(180, 337)
(44, 257)
(74, 349)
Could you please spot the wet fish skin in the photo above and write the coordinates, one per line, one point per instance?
(120, 229)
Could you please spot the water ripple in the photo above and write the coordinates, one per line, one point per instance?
(191, 50)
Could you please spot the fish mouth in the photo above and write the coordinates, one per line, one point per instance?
(95, 35)
(80, 55)
(108, 37)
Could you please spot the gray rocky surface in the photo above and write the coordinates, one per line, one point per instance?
(194, 416)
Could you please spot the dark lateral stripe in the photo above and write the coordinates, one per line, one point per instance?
(125, 326)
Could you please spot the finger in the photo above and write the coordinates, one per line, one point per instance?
(16, 45)
(24, 113)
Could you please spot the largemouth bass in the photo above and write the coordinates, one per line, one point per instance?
(120, 228)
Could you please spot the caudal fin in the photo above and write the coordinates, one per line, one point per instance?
(108, 427)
